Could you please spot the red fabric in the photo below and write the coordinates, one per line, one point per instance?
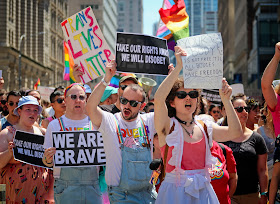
(276, 116)
(175, 13)
(220, 173)
(193, 156)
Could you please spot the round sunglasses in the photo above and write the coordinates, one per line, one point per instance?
(183, 94)
(74, 97)
(215, 112)
(59, 100)
(11, 103)
(133, 103)
(123, 87)
(240, 109)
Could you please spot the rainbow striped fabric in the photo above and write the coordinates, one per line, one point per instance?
(176, 19)
(68, 64)
(38, 83)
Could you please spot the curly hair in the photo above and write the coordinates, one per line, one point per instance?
(179, 83)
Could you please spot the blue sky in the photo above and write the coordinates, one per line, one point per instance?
(150, 14)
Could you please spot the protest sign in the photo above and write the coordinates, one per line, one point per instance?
(45, 92)
(212, 95)
(29, 148)
(203, 65)
(78, 148)
(139, 53)
(237, 88)
(87, 44)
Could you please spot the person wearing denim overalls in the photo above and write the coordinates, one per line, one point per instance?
(72, 184)
(127, 136)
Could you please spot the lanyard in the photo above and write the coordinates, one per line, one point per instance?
(62, 126)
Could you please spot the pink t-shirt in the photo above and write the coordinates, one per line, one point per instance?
(276, 116)
(193, 156)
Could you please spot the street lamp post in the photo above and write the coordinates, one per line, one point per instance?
(19, 56)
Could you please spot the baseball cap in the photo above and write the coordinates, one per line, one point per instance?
(108, 92)
(124, 78)
(27, 100)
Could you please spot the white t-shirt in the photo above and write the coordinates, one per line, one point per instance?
(111, 143)
(69, 125)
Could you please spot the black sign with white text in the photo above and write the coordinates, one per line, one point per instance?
(29, 148)
(212, 95)
(139, 53)
(78, 148)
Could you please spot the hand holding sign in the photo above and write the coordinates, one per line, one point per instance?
(110, 71)
(48, 156)
(179, 52)
(226, 90)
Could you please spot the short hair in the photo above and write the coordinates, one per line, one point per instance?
(54, 94)
(136, 87)
(28, 92)
(148, 105)
(213, 106)
(13, 93)
(238, 96)
(252, 104)
(59, 87)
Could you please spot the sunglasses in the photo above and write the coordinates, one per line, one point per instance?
(81, 97)
(133, 103)
(123, 87)
(3, 102)
(12, 103)
(215, 112)
(60, 100)
(183, 94)
(240, 109)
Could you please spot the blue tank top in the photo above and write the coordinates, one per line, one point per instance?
(5, 123)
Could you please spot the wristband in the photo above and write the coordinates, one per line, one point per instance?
(264, 193)
(47, 162)
(104, 82)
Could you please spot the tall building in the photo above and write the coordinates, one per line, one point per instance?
(250, 31)
(32, 27)
(105, 12)
(130, 16)
(203, 16)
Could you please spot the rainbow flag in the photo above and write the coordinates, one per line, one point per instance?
(37, 84)
(176, 20)
(68, 64)
(163, 31)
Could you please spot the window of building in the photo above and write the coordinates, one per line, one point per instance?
(268, 33)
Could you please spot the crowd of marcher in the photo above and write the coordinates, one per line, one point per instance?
(176, 148)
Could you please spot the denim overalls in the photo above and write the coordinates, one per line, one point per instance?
(77, 184)
(134, 186)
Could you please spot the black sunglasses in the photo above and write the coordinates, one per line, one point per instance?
(12, 103)
(81, 97)
(3, 102)
(133, 103)
(215, 112)
(183, 94)
(59, 100)
(240, 109)
(123, 87)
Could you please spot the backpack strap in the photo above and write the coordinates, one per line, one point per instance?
(224, 149)
(162, 175)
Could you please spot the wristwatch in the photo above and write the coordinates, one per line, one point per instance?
(104, 82)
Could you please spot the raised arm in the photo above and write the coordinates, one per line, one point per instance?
(268, 77)
(6, 148)
(93, 111)
(162, 120)
(234, 129)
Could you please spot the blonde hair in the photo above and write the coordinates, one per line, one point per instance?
(269, 120)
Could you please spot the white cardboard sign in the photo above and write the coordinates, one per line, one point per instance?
(203, 65)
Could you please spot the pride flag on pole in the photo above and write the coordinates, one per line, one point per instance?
(37, 84)
(176, 21)
(68, 64)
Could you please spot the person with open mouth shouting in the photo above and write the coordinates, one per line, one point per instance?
(186, 149)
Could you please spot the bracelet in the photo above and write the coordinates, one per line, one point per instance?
(264, 193)
(104, 82)
(47, 162)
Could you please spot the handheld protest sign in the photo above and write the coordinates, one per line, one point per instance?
(212, 95)
(78, 148)
(142, 54)
(203, 65)
(29, 148)
(87, 44)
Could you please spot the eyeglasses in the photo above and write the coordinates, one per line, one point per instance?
(60, 100)
(133, 103)
(123, 87)
(240, 109)
(11, 103)
(3, 102)
(183, 94)
(217, 112)
(81, 97)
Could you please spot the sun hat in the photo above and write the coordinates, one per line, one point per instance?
(108, 92)
(27, 100)
(88, 89)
